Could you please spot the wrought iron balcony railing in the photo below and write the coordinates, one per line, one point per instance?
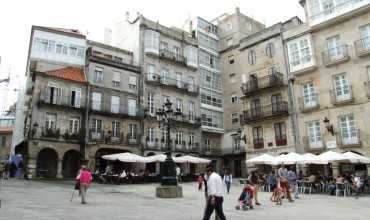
(266, 82)
(107, 108)
(264, 112)
(172, 56)
(60, 100)
(258, 143)
(183, 86)
(335, 55)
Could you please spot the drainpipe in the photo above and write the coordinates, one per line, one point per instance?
(291, 97)
(87, 101)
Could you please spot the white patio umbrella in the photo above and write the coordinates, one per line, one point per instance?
(262, 159)
(356, 158)
(329, 157)
(289, 159)
(192, 159)
(126, 157)
(160, 158)
(310, 159)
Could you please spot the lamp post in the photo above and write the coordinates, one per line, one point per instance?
(329, 126)
(165, 116)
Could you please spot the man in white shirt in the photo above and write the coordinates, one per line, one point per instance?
(215, 194)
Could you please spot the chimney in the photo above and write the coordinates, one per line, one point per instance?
(127, 16)
(237, 10)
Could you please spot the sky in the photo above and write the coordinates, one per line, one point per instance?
(93, 16)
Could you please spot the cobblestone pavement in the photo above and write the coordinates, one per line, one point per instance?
(42, 200)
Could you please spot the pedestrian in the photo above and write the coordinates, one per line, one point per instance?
(292, 178)
(215, 194)
(200, 182)
(228, 179)
(178, 174)
(2, 165)
(85, 179)
(6, 170)
(283, 178)
(254, 180)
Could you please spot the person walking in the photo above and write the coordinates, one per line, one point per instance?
(292, 178)
(228, 179)
(215, 194)
(6, 170)
(254, 180)
(178, 174)
(200, 182)
(85, 179)
(283, 178)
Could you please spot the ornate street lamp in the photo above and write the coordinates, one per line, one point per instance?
(328, 126)
(165, 118)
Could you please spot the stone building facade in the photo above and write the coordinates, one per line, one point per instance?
(6, 132)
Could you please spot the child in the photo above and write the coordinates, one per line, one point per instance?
(246, 197)
(200, 182)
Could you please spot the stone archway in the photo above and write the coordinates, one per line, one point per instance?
(71, 164)
(47, 162)
(151, 167)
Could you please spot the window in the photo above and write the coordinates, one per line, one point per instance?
(234, 98)
(164, 136)
(80, 52)
(114, 105)
(96, 101)
(151, 135)
(334, 47)
(231, 59)
(207, 42)
(132, 131)
(72, 50)
(178, 140)
(229, 42)
(151, 103)
(257, 137)
(74, 125)
(164, 75)
(98, 75)
(75, 97)
(176, 50)
(209, 97)
(252, 57)
(207, 143)
(314, 134)
(116, 79)
(116, 129)
(327, 6)
(270, 49)
(41, 44)
(2, 141)
(179, 83)
(96, 126)
(191, 54)
(61, 49)
(280, 134)
(299, 52)
(255, 107)
(276, 101)
(341, 88)
(235, 118)
(236, 144)
(151, 72)
(132, 83)
(348, 129)
(309, 96)
(212, 119)
(54, 94)
(232, 78)
(210, 80)
(179, 105)
(191, 139)
(191, 85)
(191, 110)
(151, 41)
(132, 107)
(163, 46)
(365, 36)
(51, 121)
(119, 59)
(208, 60)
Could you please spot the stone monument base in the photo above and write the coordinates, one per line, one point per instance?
(168, 192)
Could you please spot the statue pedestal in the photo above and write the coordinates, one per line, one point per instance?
(168, 192)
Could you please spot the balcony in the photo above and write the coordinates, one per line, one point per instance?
(309, 103)
(50, 133)
(363, 47)
(169, 82)
(57, 135)
(271, 81)
(189, 119)
(60, 101)
(212, 151)
(258, 143)
(342, 97)
(133, 139)
(115, 110)
(312, 146)
(349, 142)
(172, 56)
(281, 141)
(114, 138)
(335, 55)
(96, 136)
(267, 112)
(234, 151)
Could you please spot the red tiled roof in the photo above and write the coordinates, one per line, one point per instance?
(6, 129)
(68, 73)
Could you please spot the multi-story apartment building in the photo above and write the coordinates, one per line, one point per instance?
(56, 99)
(330, 66)
(265, 96)
(169, 64)
(114, 116)
(6, 131)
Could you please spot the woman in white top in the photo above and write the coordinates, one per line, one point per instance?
(228, 179)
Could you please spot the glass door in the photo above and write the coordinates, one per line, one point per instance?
(341, 88)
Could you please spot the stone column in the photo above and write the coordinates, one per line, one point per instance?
(335, 168)
(59, 170)
(31, 168)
